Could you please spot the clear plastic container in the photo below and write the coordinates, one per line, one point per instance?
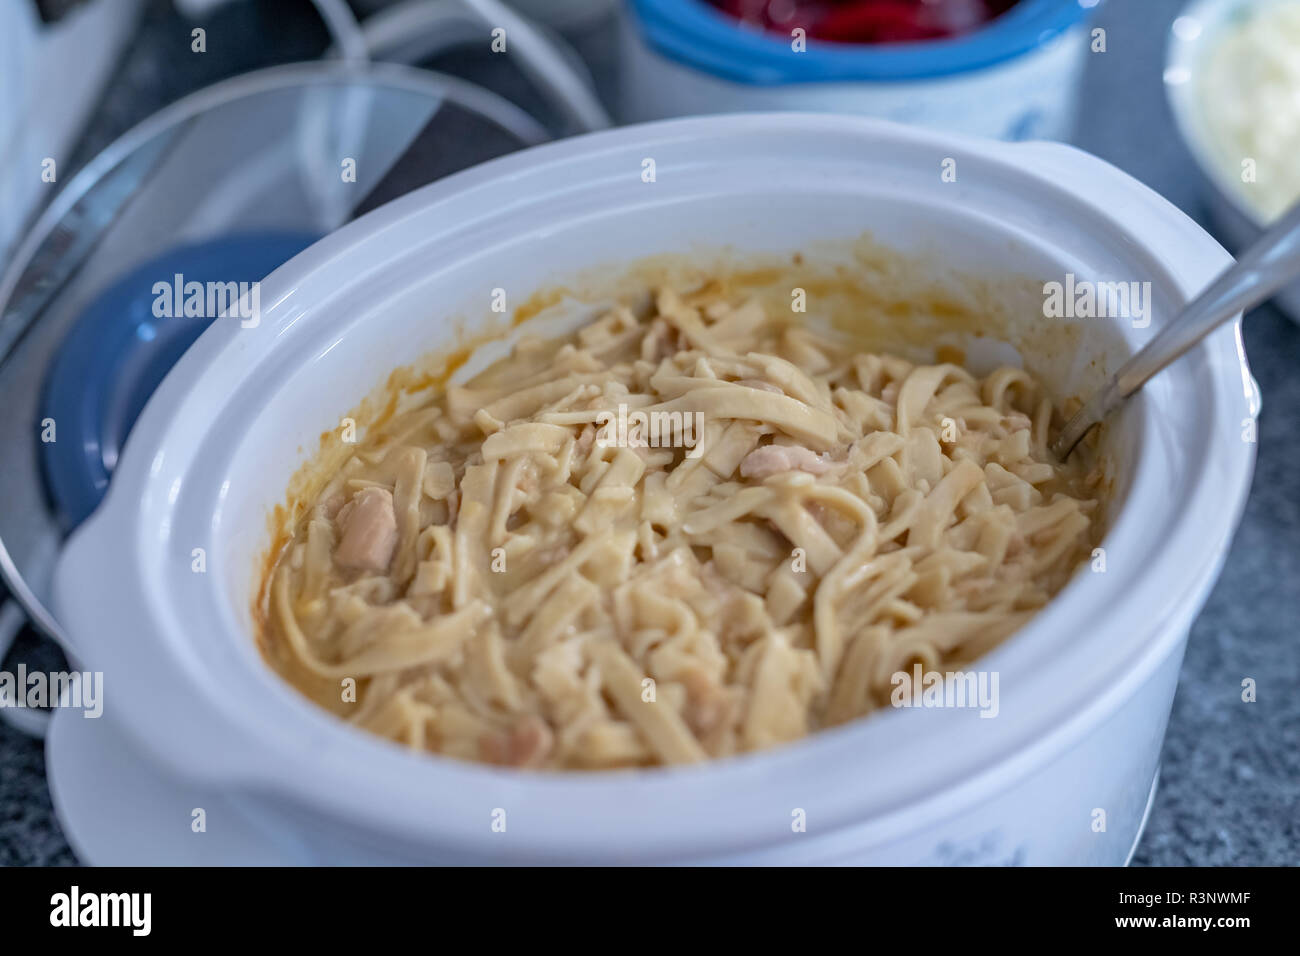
(219, 188)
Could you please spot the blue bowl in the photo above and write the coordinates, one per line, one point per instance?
(701, 36)
(117, 353)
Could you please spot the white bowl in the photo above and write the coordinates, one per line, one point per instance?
(1085, 688)
(1192, 38)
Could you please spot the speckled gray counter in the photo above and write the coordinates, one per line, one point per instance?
(1230, 785)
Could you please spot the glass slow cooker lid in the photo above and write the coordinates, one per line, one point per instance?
(164, 229)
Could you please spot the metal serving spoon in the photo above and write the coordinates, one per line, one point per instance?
(1261, 270)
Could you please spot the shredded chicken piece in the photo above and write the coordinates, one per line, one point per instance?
(331, 506)
(369, 531)
(527, 744)
(774, 459)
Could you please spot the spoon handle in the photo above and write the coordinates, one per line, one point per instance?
(1261, 270)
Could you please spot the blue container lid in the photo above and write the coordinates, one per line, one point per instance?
(117, 353)
(701, 36)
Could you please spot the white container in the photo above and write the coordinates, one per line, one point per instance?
(1193, 38)
(1086, 687)
(1016, 78)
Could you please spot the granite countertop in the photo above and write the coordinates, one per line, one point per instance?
(1230, 780)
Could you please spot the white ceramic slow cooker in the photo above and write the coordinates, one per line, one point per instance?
(1086, 687)
(1015, 78)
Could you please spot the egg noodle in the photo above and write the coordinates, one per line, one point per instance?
(502, 575)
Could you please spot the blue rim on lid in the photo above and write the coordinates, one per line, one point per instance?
(117, 352)
(701, 36)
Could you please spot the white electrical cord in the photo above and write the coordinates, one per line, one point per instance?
(417, 29)
(544, 65)
(343, 27)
